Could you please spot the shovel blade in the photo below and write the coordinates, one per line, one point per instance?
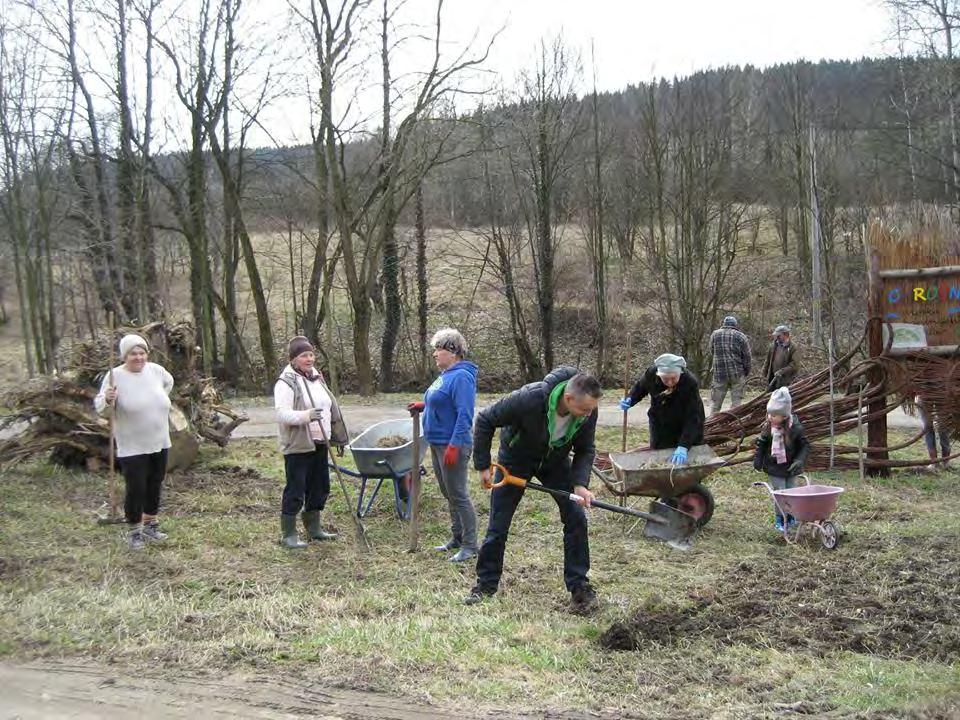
(677, 526)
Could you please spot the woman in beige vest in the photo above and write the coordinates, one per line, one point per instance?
(309, 417)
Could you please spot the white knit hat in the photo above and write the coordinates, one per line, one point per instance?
(780, 402)
(129, 342)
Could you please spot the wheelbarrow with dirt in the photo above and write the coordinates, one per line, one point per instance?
(384, 453)
(811, 507)
(649, 473)
(663, 522)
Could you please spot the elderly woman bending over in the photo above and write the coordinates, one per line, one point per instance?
(447, 407)
(676, 412)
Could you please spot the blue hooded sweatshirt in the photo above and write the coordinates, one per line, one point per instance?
(448, 415)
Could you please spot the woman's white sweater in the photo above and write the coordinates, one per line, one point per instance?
(142, 418)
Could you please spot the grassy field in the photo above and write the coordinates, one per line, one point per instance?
(740, 626)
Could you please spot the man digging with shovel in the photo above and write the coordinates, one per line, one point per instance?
(540, 424)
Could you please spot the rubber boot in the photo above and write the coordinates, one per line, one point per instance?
(311, 523)
(288, 533)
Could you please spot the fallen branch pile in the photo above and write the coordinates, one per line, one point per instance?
(888, 382)
(55, 414)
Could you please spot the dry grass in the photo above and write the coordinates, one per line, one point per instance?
(221, 593)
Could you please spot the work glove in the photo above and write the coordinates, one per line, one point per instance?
(451, 455)
(416, 407)
(795, 468)
(316, 414)
(626, 404)
(679, 456)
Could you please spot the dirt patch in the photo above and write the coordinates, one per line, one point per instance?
(896, 601)
(87, 690)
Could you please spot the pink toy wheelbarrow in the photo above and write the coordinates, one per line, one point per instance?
(811, 506)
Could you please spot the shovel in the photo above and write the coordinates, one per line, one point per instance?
(114, 517)
(361, 531)
(663, 522)
(415, 485)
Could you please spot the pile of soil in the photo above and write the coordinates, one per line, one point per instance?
(896, 601)
(392, 441)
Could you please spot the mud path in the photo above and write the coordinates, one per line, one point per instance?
(263, 418)
(83, 691)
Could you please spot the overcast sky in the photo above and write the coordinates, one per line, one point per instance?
(636, 40)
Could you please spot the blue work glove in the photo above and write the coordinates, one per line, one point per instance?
(679, 456)
(626, 404)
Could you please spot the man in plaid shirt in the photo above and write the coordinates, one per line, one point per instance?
(731, 363)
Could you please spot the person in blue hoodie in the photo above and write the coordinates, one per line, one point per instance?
(447, 409)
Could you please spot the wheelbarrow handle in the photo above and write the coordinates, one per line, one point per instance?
(508, 479)
(626, 511)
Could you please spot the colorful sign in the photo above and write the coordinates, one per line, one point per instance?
(933, 303)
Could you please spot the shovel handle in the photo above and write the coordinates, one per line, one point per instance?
(508, 479)
(505, 478)
(626, 511)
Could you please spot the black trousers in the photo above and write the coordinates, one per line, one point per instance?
(143, 476)
(503, 504)
(308, 481)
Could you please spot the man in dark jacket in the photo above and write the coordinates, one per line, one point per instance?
(540, 424)
(676, 412)
(783, 360)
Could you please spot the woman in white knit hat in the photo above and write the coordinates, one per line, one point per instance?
(137, 394)
(782, 447)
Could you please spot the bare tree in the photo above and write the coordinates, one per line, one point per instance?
(364, 208)
(692, 238)
(32, 117)
(546, 120)
(593, 229)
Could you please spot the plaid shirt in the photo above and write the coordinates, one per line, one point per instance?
(731, 354)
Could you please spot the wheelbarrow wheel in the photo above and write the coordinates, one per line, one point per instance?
(830, 534)
(697, 501)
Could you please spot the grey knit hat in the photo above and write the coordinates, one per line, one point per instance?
(781, 329)
(780, 402)
(669, 363)
(730, 321)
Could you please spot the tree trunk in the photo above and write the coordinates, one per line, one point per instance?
(422, 307)
(130, 289)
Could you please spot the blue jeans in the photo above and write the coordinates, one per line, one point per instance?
(503, 504)
(780, 483)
